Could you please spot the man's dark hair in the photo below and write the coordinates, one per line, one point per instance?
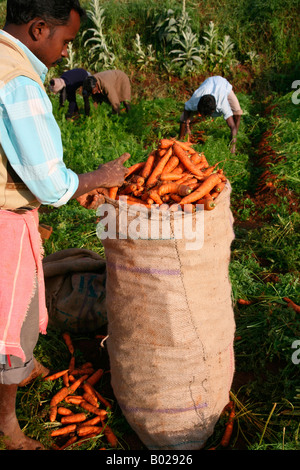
(56, 12)
(207, 105)
(88, 84)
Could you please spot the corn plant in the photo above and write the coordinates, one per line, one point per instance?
(144, 59)
(100, 53)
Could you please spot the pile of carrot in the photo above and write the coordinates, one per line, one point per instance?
(174, 175)
(79, 410)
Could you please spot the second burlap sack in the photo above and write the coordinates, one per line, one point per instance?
(170, 324)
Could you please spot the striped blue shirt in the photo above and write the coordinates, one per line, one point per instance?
(31, 138)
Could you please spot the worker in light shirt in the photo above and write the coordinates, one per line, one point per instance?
(215, 97)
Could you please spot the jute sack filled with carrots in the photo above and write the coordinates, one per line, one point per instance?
(170, 317)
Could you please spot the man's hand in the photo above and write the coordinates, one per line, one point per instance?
(113, 173)
(107, 175)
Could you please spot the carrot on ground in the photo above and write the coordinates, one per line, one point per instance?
(67, 339)
(229, 428)
(73, 418)
(53, 413)
(103, 400)
(93, 409)
(208, 184)
(86, 430)
(95, 377)
(61, 410)
(110, 436)
(74, 400)
(292, 304)
(64, 430)
(56, 375)
(59, 396)
(90, 399)
(69, 442)
(90, 422)
(72, 364)
(77, 383)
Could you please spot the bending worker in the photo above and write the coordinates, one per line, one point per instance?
(215, 97)
(67, 86)
(111, 86)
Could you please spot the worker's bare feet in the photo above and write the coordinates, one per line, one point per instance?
(14, 439)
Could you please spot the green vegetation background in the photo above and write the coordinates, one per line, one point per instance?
(262, 65)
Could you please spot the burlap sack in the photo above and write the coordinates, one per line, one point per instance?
(75, 290)
(171, 325)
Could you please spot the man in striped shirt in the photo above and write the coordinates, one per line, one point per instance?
(32, 172)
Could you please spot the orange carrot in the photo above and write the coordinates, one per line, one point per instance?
(93, 379)
(158, 169)
(208, 184)
(155, 196)
(69, 442)
(196, 158)
(90, 422)
(184, 178)
(184, 145)
(83, 371)
(176, 197)
(86, 365)
(185, 160)
(171, 165)
(86, 430)
(165, 143)
(93, 409)
(61, 410)
(67, 339)
(170, 176)
(112, 192)
(209, 170)
(244, 302)
(292, 304)
(74, 400)
(208, 203)
(90, 399)
(71, 364)
(88, 388)
(56, 375)
(110, 436)
(148, 165)
(64, 430)
(53, 413)
(229, 428)
(65, 378)
(59, 396)
(180, 189)
(135, 168)
(73, 418)
(77, 383)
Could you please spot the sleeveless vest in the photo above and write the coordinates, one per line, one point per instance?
(14, 194)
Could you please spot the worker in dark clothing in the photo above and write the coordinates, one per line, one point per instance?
(110, 86)
(67, 86)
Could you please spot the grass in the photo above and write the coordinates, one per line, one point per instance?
(264, 263)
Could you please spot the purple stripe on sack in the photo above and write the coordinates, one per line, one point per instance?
(161, 272)
(166, 410)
